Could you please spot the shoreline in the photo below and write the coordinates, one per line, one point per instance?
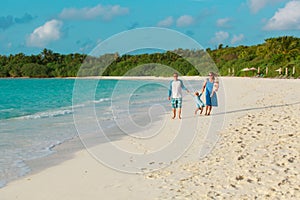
(241, 101)
(61, 152)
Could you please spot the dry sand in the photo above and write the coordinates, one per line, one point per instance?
(256, 155)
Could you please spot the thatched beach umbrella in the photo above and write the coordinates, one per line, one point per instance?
(245, 70)
(253, 69)
(279, 70)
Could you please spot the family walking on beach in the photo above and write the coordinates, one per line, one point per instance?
(210, 87)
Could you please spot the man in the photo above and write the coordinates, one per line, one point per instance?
(175, 92)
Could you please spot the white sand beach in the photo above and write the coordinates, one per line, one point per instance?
(253, 154)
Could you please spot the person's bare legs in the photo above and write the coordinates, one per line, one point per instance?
(197, 111)
(209, 110)
(179, 113)
(202, 108)
(174, 113)
(206, 110)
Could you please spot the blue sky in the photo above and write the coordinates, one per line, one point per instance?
(67, 26)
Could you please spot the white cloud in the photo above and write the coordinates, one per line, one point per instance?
(167, 22)
(287, 18)
(44, 34)
(237, 38)
(185, 20)
(104, 12)
(257, 5)
(223, 22)
(220, 37)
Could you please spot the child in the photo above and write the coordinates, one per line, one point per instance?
(215, 88)
(199, 103)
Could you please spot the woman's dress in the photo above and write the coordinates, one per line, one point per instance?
(210, 101)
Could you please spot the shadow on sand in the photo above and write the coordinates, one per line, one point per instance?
(256, 108)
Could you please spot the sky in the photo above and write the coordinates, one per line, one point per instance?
(77, 26)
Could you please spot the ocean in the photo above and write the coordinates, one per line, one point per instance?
(38, 114)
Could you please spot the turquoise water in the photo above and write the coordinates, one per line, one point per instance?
(22, 97)
(37, 114)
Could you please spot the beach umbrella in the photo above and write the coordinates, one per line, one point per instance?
(253, 69)
(279, 70)
(245, 70)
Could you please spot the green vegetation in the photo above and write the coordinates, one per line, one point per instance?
(45, 64)
(273, 54)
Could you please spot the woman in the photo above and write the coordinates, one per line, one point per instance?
(210, 86)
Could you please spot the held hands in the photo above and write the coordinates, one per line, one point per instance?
(169, 98)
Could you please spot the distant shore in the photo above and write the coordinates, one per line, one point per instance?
(150, 77)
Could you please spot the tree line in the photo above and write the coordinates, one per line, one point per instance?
(274, 53)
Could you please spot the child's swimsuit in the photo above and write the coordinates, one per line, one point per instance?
(199, 102)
